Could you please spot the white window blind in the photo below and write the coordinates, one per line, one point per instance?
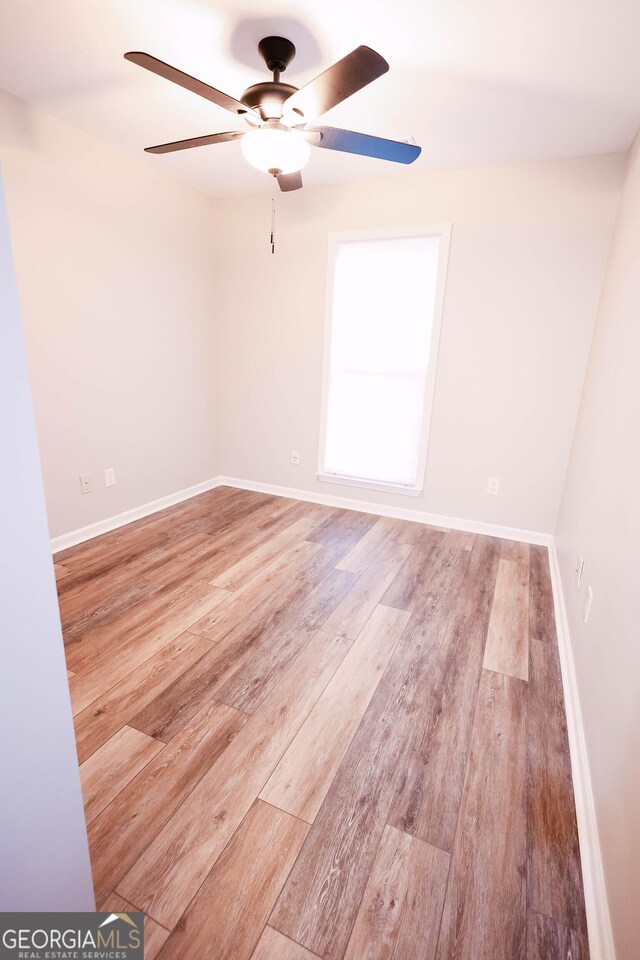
(382, 316)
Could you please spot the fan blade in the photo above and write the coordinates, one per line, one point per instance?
(348, 141)
(290, 181)
(189, 83)
(340, 81)
(195, 142)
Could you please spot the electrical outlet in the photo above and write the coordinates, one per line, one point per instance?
(493, 486)
(295, 456)
(579, 571)
(109, 477)
(587, 604)
(85, 483)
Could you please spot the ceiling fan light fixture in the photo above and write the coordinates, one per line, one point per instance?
(275, 147)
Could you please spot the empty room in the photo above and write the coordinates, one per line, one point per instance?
(319, 448)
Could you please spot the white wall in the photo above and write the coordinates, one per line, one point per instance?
(528, 250)
(114, 272)
(600, 520)
(165, 340)
(44, 863)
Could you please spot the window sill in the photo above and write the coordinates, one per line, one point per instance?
(370, 485)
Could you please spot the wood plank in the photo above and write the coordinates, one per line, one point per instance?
(412, 531)
(81, 553)
(485, 906)
(103, 610)
(514, 550)
(170, 712)
(289, 603)
(107, 553)
(95, 725)
(213, 558)
(554, 869)
(283, 505)
(155, 936)
(322, 562)
(101, 564)
(247, 598)
(180, 524)
(429, 549)
(428, 795)
(204, 561)
(549, 940)
(350, 616)
(110, 665)
(258, 674)
(263, 527)
(104, 613)
(111, 768)
(60, 571)
(299, 783)
(273, 945)
(171, 870)
(246, 568)
(368, 547)
(399, 917)
(124, 829)
(247, 879)
(102, 571)
(338, 531)
(320, 900)
(461, 539)
(105, 572)
(81, 593)
(542, 624)
(342, 526)
(158, 606)
(507, 649)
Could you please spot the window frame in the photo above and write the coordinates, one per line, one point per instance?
(443, 232)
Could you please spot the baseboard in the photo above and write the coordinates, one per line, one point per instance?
(122, 519)
(397, 513)
(347, 503)
(601, 944)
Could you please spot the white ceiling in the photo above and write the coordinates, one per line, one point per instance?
(472, 82)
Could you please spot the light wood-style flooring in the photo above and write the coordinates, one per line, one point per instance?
(309, 732)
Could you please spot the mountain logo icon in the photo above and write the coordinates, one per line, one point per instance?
(119, 916)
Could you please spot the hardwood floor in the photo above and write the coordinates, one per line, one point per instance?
(307, 732)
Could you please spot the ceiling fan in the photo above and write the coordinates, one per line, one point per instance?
(280, 116)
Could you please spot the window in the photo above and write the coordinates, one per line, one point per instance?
(386, 292)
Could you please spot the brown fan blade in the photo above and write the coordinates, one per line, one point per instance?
(202, 89)
(340, 81)
(195, 142)
(290, 181)
(348, 141)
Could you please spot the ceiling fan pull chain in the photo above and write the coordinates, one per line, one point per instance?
(273, 213)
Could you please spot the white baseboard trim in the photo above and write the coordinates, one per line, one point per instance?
(347, 503)
(601, 943)
(398, 513)
(122, 519)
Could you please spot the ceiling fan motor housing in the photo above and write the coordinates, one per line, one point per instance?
(267, 98)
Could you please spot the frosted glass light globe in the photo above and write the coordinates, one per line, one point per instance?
(275, 148)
